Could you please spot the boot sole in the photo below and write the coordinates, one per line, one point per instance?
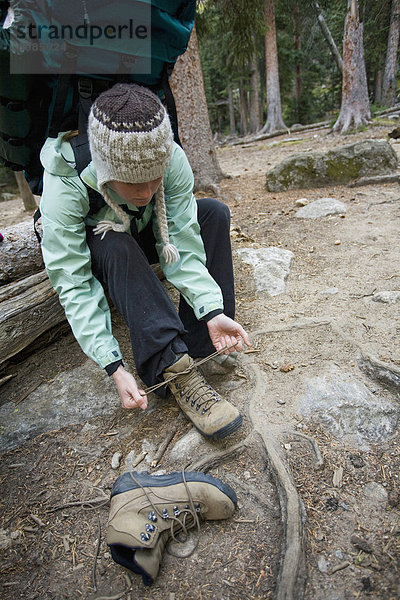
(221, 433)
(224, 431)
(125, 483)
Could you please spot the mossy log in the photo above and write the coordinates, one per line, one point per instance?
(28, 308)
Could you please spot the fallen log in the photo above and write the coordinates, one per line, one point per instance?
(28, 308)
(20, 253)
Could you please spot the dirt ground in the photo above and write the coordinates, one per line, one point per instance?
(58, 550)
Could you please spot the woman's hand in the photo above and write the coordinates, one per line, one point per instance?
(129, 393)
(224, 331)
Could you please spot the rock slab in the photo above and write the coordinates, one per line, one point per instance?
(271, 267)
(347, 409)
(73, 397)
(337, 166)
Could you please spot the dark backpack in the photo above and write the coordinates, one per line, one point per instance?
(57, 92)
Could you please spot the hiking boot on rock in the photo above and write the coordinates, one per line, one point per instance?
(148, 510)
(209, 413)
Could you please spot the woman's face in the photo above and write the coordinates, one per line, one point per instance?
(138, 194)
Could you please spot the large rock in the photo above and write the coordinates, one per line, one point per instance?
(341, 165)
(73, 397)
(347, 409)
(271, 267)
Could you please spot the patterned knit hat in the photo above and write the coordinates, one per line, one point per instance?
(130, 141)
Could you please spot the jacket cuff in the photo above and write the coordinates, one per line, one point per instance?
(212, 314)
(112, 367)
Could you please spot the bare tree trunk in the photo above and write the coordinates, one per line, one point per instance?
(328, 36)
(232, 124)
(274, 108)
(389, 78)
(297, 73)
(354, 111)
(244, 115)
(254, 104)
(378, 86)
(194, 123)
(25, 191)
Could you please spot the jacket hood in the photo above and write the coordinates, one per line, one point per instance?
(57, 157)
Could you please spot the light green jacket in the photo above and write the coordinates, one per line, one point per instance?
(64, 207)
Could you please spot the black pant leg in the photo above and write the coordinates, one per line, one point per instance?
(154, 325)
(214, 221)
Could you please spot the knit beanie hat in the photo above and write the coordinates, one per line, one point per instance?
(130, 139)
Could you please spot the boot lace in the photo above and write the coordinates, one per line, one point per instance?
(195, 388)
(181, 520)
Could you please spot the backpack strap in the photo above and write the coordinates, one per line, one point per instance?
(80, 147)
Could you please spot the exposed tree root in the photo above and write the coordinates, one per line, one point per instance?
(213, 459)
(292, 575)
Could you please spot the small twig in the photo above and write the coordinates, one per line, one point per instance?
(163, 446)
(318, 456)
(4, 380)
(96, 553)
(37, 520)
(139, 459)
(215, 567)
(89, 503)
(339, 567)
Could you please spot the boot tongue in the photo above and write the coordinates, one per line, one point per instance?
(181, 364)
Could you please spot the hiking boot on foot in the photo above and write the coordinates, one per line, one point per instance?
(209, 413)
(148, 510)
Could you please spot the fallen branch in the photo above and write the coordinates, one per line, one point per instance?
(392, 178)
(163, 446)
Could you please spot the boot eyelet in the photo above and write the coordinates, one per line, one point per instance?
(165, 514)
(197, 507)
(181, 393)
(149, 528)
(178, 387)
(193, 402)
(197, 406)
(176, 511)
(145, 537)
(203, 412)
(152, 516)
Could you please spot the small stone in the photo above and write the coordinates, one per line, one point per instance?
(107, 555)
(329, 291)
(339, 554)
(281, 401)
(301, 202)
(322, 564)
(247, 475)
(287, 446)
(286, 368)
(116, 459)
(337, 242)
(319, 535)
(15, 534)
(356, 461)
(386, 297)
(393, 498)
(376, 494)
(361, 544)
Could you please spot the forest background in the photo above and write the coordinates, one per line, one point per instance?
(232, 42)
